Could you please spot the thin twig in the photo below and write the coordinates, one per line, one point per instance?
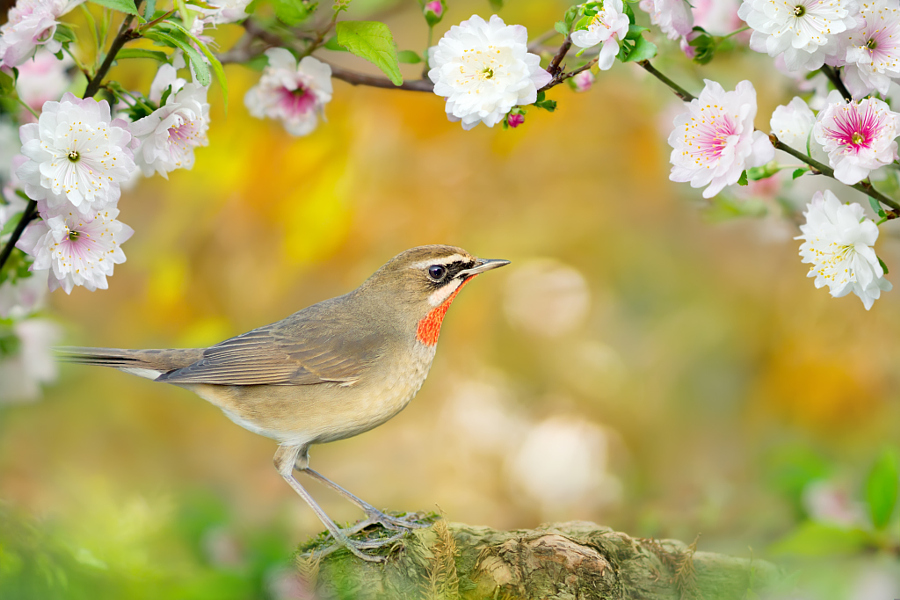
(863, 186)
(27, 216)
(320, 36)
(354, 78)
(679, 91)
(835, 78)
(553, 68)
(125, 35)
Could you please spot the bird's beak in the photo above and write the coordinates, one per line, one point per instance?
(482, 265)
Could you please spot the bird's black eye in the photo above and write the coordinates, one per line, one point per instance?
(437, 272)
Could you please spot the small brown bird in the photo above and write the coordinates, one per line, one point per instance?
(328, 372)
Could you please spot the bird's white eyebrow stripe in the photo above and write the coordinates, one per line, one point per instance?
(441, 261)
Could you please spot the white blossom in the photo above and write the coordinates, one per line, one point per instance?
(871, 56)
(75, 152)
(858, 137)
(168, 135)
(673, 17)
(607, 27)
(31, 23)
(838, 241)
(295, 94)
(484, 69)
(714, 140)
(805, 31)
(77, 249)
(32, 363)
(226, 11)
(793, 124)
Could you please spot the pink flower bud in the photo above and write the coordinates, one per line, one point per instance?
(583, 81)
(434, 7)
(515, 119)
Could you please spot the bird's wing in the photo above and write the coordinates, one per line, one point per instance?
(290, 352)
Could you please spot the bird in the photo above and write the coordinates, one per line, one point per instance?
(331, 371)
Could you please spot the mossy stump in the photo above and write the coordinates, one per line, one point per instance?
(576, 560)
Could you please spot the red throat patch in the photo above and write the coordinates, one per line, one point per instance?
(430, 327)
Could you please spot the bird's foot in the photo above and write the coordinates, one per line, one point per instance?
(405, 522)
(342, 538)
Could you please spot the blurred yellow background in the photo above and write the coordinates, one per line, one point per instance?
(640, 364)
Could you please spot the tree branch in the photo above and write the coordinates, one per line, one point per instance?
(27, 215)
(561, 560)
(125, 35)
(354, 78)
(835, 78)
(863, 186)
(679, 91)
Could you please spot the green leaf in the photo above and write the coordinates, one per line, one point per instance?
(569, 18)
(149, 10)
(65, 33)
(798, 172)
(883, 266)
(409, 57)
(743, 179)
(142, 53)
(11, 224)
(643, 50)
(561, 27)
(7, 84)
(635, 31)
(291, 12)
(372, 41)
(881, 487)
(876, 206)
(217, 68)
(201, 69)
(332, 44)
(819, 539)
(125, 6)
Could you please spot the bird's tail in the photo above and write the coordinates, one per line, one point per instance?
(146, 363)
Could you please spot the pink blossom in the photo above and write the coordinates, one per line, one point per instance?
(718, 17)
(31, 23)
(76, 249)
(294, 93)
(672, 16)
(515, 119)
(435, 7)
(858, 137)
(714, 140)
(872, 49)
(583, 81)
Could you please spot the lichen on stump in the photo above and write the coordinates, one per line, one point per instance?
(560, 561)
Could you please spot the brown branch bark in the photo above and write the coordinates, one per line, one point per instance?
(562, 560)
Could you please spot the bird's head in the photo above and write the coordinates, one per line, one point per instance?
(424, 281)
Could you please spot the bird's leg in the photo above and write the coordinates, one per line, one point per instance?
(285, 459)
(373, 514)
